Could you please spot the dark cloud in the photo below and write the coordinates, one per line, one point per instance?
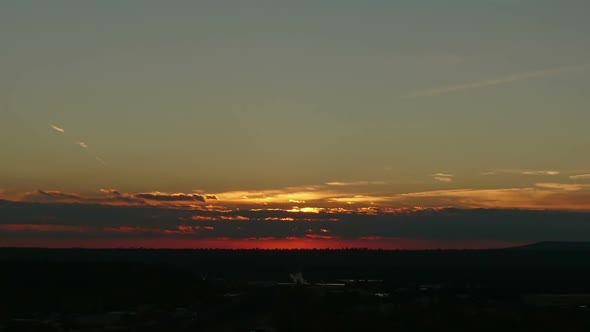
(57, 194)
(211, 197)
(171, 197)
(111, 192)
(30, 220)
(113, 196)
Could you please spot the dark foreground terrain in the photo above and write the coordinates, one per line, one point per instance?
(542, 287)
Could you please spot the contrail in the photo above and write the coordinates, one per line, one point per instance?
(58, 129)
(81, 144)
(497, 81)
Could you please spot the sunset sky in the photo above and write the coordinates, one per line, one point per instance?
(301, 124)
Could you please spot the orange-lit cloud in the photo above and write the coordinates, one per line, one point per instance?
(443, 177)
(279, 219)
(525, 198)
(355, 183)
(361, 199)
(564, 186)
(203, 218)
(44, 228)
(317, 236)
(533, 172)
(305, 209)
(235, 218)
(540, 195)
(277, 196)
(57, 129)
(549, 172)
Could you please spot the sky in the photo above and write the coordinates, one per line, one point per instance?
(275, 124)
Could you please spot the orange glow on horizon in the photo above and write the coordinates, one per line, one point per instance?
(297, 209)
(43, 228)
(315, 242)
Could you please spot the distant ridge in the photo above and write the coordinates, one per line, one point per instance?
(555, 246)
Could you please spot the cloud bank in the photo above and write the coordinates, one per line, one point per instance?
(34, 221)
(316, 215)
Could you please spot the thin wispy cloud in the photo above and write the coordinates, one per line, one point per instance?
(564, 186)
(100, 161)
(81, 144)
(355, 183)
(497, 81)
(443, 177)
(546, 197)
(580, 177)
(542, 172)
(57, 129)
(443, 174)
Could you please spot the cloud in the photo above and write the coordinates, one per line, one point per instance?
(355, 183)
(548, 172)
(497, 81)
(521, 198)
(81, 144)
(114, 196)
(54, 194)
(277, 196)
(110, 191)
(580, 177)
(540, 172)
(359, 199)
(564, 186)
(57, 129)
(544, 195)
(88, 222)
(181, 197)
(443, 177)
